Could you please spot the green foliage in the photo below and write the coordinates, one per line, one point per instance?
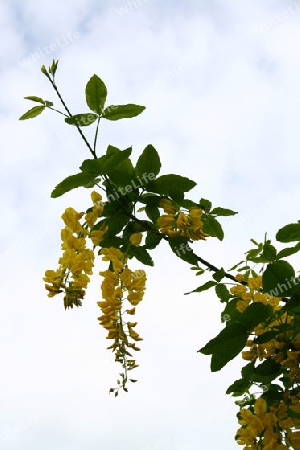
(114, 112)
(95, 94)
(33, 112)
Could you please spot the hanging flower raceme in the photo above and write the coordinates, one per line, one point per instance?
(121, 288)
(77, 261)
(175, 223)
(272, 426)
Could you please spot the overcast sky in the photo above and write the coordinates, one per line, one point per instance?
(220, 81)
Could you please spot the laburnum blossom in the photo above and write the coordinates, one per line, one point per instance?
(119, 287)
(270, 428)
(77, 260)
(274, 427)
(175, 223)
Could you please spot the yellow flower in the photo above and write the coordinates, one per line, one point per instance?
(167, 206)
(136, 239)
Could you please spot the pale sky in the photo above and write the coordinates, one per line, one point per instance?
(220, 81)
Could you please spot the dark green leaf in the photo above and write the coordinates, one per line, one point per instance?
(123, 177)
(226, 346)
(181, 248)
(223, 212)
(167, 184)
(294, 414)
(289, 233)
(222, 292)
(95, 93)
(152, 212)
(269, 253)
(72, 182)
(81, 120)
(265, 337)
(141, 254)
(219, 274)
(205, 205)
(152, 240)
(202, 288)
(277, 277)
(148, 162)
(232, 331)
(288, 251)
(116, 222)
(255, 314)
(267, 371)
(114, 112)
(33, 112)
(239, 387)
(212, 227)
(188, 204)
(94, 166)
(114, 159)
(230, 313)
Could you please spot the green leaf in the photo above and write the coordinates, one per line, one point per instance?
(81, 120)
(148, 162)
(167, 184)
(202, 288)
(269, 253)
(205, 205)
(95, 93)
(226, 346)
(181, 248)
(289, 233)
(222, 292)
(288, 251)
(294, 414)
(266, 371)
(152, 212)
(141, 254)
(223, 212)
(118, 112)
(53, 67)
(255, 314)
(114, 159)
(33, 112)
(72, 182)
(152, 240)
(116, 223)
(33, 98)
(94, 166)
(230, 313)
(277, 277)
(123, 176)
(237, 265)
(212, 227)
(188, 204)
(265, 337)
(239, 387)
(219, 274)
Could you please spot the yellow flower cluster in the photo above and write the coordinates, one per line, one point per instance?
(260, 428)
(273, 429)
(268, 430)
(120, 284)
(251, 293)
(77, 261)
(175, 223)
